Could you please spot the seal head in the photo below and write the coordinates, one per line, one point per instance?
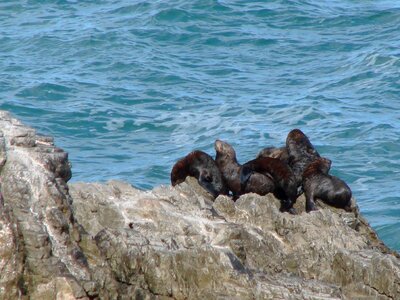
(280, 153)
(202, 166)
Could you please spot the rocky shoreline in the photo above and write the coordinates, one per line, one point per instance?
(113, 241)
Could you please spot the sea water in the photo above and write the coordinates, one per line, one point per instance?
(129, 87)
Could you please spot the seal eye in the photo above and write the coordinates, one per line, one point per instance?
(207, 178)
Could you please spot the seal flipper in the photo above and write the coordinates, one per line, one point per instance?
(205, 179)
(310, 202)
(245, 174)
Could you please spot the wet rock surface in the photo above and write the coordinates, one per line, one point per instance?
(113, 241)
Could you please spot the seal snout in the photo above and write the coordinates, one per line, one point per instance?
(218, 145)
(222, 147)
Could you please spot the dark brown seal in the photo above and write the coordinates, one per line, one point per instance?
(280, 153)
(317, 183)
(301, 153)
(230, 169)
(202, 166)
(282, 176)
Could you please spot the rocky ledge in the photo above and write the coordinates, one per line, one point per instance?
(113, 241)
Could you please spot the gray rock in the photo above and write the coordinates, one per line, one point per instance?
(113, 241)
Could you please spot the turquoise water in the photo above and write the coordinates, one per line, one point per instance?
(128, 87)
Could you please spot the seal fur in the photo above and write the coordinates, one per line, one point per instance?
(280, 173)
(301, 153)
(230, 169)
(317, 183)
(202, 166)
(280, 153)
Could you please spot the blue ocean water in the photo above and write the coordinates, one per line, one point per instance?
(128, 87)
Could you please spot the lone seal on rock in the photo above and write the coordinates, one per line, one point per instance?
(301, 153)
(202, 166)
(317, 183)
(230, 169)
(280, 173)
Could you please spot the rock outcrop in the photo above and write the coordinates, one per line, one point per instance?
(113, 241)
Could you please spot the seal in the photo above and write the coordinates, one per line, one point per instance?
(202, 166)
(280, 153)
(301, 153)
(280, 173)
(230, 169)
(317, 183)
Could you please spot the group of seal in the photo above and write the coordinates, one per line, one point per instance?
(285, 171)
